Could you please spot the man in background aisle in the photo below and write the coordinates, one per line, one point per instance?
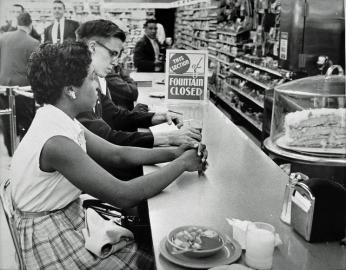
(62, 29)
(11, 22)
(15, 50)
(147, 55)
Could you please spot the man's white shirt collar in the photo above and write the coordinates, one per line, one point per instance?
(103, 85)
(55, 30)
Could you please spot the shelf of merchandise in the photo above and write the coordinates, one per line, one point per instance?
(226, 53)
(249, 79)
(223, 58)
(203, 39)
(199, 17)
(228, 43)
(239, 91)
(201, 29)
(223, 62)
(227, 101)
(231, 33)
(190, 45)
(271, 71)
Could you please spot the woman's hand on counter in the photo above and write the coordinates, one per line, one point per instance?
(194, 156)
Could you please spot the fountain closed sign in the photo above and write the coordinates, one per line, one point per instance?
(186, 75)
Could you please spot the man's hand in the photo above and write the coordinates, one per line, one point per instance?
(141, 108)
(184, 136)
(161, 117)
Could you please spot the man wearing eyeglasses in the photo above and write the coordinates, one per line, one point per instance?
(62, 28)
(105, 41)
(147, 54)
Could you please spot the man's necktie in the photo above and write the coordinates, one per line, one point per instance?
(58, 39)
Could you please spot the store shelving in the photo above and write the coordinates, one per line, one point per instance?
(249, 79)
(199, 38)
(228, 102)
(231, 33)
(226, 53)
(269, 70)
(199, 20)
(241, 92)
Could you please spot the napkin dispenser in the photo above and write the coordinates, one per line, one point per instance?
(318, 210)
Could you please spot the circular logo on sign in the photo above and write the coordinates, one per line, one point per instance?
(179, 63)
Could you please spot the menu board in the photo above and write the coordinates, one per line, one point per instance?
(186, 75)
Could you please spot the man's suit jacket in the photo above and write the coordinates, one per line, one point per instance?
(15, 50)
(144, 55)
(69, 31)
(110, 128)
(9, 28)
(123, 88)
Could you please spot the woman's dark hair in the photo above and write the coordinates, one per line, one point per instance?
(99, 28)
(54, 66)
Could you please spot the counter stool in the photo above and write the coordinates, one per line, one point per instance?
(9, 214)
(11, 112)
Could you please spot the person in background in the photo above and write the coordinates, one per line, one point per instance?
(147, 54)
(62, 29)
(58, 159)
(11, 22)
(105, 41)
(123, 89)
(15, 49)
(161, 34)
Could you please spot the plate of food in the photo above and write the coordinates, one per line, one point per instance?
(229, 252)
(195, 241)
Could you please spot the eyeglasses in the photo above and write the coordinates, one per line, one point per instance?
(111, 52)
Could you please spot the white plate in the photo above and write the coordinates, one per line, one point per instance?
(157, 95)
(235, 266)
(228, 254)
(283, 143)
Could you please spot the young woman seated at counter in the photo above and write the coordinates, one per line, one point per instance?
(58, 158)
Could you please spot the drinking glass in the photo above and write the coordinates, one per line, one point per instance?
(194, 123)
(260, 243)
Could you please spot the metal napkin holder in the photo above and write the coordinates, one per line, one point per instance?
(318, 210)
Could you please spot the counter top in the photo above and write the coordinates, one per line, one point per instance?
(241, 182)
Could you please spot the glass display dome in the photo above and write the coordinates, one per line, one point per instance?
(309, 115)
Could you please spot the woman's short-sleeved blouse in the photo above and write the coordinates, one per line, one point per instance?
(33, 189)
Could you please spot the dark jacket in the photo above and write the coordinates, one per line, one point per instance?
(15, 50)
(9, 28)
(108, 120)
(144, 55)
(123, 89)
(119, 121)
(69, 31)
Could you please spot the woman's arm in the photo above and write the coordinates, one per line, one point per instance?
(65, 156)
(109, 154)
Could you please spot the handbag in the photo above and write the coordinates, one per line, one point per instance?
(140, 227)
